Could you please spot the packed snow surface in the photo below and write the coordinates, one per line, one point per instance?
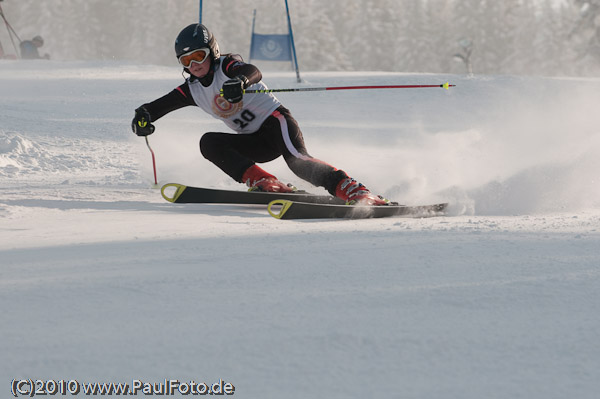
(101, 280)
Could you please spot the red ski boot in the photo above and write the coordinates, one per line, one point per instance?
(354, 193)
(259, 180)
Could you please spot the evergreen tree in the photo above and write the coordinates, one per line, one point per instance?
(553, 53)
(586, 34)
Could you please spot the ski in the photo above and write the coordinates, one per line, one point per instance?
(181, 194)
(286, 209)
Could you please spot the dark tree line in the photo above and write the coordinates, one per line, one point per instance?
(539, 37)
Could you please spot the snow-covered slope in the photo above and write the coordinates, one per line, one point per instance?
(104, 281)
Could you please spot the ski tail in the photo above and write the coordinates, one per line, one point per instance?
(179, 189)
(285, 205)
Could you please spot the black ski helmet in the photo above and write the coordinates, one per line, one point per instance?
(39, 40)
(194, 37)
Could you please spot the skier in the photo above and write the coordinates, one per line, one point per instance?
(265, 128)
(29, 49)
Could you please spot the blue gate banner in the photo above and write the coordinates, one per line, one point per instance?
(271, 47)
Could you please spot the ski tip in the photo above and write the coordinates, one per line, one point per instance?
(447, 85)
(179, 189)
(285, 205)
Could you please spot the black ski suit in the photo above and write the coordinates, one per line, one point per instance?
(278, 134)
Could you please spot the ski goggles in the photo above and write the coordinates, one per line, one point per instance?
(198, 56)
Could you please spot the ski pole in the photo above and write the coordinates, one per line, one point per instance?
(11, 31)
(153, 162)
(446, 86)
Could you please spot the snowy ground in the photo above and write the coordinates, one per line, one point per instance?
(101, 280)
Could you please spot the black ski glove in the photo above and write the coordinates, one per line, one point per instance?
(233, 89)
(141, 122)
